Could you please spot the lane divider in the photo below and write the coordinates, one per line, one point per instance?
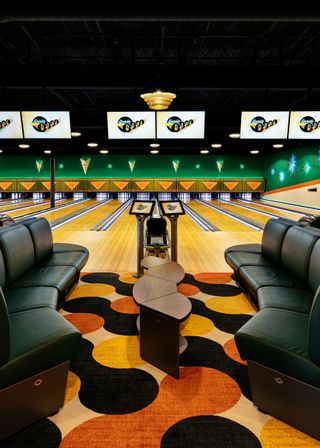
(247, 222)
(252, 209)
(200, 220)
(49, 210)
(107, 222)
(275, 207)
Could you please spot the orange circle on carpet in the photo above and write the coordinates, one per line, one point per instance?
(125, 305)
(85, 322)
(188, 290)
(128, 278)
(231, 350)
(213, 277)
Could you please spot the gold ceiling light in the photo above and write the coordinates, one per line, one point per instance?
(158, 100)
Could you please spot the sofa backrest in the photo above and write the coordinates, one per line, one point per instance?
(2, 272)
(314, 329)
(41, 235)
(296, 250)
(18, 251)
(4, 331)
(273, 236)
(314, 267)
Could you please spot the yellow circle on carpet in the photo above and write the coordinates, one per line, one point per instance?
(196, 325)
(230, 305)
(73, 386)
(121, 352)
(91, 290)
(128, 278)
(276, 434)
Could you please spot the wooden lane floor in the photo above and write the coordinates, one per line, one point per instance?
(36, 208)
(115, 250)
(262, 206)
(29, 202)
(60, 212)
(246, 213)
(223, 222)
(89, 220)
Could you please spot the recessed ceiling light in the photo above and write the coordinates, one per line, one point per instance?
(278, 145)
(254, 151)
(154, 145)
(154, 151)
(24, 146)
(92, 145)
(216, 145)
(234, 135)
(1, 151)
(47, 151)
(104, 151)
(204, 151)
(75, 134)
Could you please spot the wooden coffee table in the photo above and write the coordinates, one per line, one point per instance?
(162, 309)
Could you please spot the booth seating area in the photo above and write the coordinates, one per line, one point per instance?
(281, 341)
(37, 343)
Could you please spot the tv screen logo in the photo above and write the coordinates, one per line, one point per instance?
(41, 124)
(308, 124)
(125, 124)
(259, 124)
(175, 124)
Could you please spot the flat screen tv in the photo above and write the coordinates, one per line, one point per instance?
(264, 125)
(304, 125)
(10, 125)
(44, 124)
(131, 125)
(180, 125)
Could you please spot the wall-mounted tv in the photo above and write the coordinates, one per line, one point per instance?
(10, 125)
(180, 125)
(304, 125)
(131, 125)
(263, 125)
(46, 124)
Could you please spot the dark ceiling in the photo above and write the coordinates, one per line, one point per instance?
(265, 57)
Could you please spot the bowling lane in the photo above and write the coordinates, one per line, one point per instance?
(34, 209)
(28, 202)
(246, 213)
(89, 220)
(258, 205)
(220, 220)
(60, 212)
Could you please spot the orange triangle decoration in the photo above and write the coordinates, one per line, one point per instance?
(186, 185)
(5, 185)
(97, 185)
(142, 185)
(27, 185)
(72, 185)
(231, 185)
(121, 185)
(46, 185)
(165, 185)
(254, 185)
(209, 185)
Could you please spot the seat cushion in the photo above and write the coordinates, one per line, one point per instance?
(40, 339)
(66, 247)
(278, 339)
(294, 299)
(22, 299)
(59, 277)
(272, 238)
(75, 259)
(251, 248)
(2, 272)
(314, 271)
(255, 277)
(238, 259)
(4, 330)
(41, 234)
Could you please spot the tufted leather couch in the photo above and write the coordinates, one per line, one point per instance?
(281, 341)
(37, 343)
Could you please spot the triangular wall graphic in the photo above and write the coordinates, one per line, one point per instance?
(209, 185)
(131, 164)
(39, 164)
(72, 185)
(186, 185)
(142, 185)
(254, 185)
(5, 185)
(121, 185)
(27, 185)
(85, 162)
(231, 185)
(46, 185)
(165, 185)
(98, 184)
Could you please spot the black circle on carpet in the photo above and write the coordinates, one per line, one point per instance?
(43, 434)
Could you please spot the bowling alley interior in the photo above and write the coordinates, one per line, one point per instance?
(160, 226)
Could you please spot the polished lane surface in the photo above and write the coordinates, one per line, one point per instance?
(14, 205)
(246, 213)
(258, 205)
(64, 211)
(37, 208)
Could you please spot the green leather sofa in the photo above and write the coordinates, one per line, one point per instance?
(281, 341)
(37, 343)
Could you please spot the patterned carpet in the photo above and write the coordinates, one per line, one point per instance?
(115, 400)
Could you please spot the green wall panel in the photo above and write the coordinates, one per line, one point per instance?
(292, 167)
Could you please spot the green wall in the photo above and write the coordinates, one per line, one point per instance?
(153, 166)
(292, 167)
